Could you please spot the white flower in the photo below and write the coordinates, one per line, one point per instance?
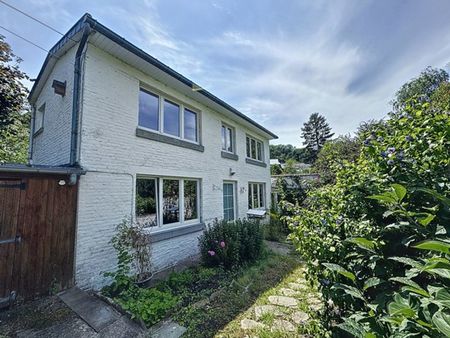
(332, 249)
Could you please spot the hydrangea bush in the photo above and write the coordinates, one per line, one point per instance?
(377, 239)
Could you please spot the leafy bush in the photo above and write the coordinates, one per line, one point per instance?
(230, 244)
(277, 229)
(378, 238)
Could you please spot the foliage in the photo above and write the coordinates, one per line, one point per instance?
(423, 86)
(378, 238)
(316, 132)
(230, 244)
(132, 245)
(13, 93)
(284, 152)
(277, 228)
(440, 99)
(14, 139)
(334, 155)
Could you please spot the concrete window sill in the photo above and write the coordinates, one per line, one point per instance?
(168, 140)
(230, 156)
(254, 162)
(164, 234)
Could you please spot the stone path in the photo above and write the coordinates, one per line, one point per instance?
(284, 311)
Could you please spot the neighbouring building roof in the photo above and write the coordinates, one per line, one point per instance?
(292, 179)
(111, 42)
(41, 169)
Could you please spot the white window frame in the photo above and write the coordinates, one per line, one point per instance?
(259, 185)
(183, 106)
(41, 111)
(233, 138)
(159, 180)
(257, 141)
(233, 183)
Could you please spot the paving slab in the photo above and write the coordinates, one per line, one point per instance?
(167, 329)
(96, 313)
(282, 325)
(283, 301)
(250, 324)
(261, 310)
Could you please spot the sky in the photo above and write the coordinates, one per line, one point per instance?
(276, 61)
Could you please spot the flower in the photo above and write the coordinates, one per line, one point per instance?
(211, 252)
(408, 138)
(380, 139)
(391, 150)
(332, 249)
(390, 162)
(222, 244)
(383, 154)
(367, 142)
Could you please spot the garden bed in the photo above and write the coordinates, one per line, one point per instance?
(205, 300)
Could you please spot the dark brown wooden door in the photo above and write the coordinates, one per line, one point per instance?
(37, 235)
(10, 191)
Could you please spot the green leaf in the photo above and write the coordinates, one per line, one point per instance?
(441, 198)
(362, 242)
(339, 269)
(350, 290)
(426, 219)
(414, 287)
(433, 245)
(408, 261)
(442, 322)
(400, 307)
(371, 282)
(383, 198)
(353, 327)
(441, 296)
(400, 191)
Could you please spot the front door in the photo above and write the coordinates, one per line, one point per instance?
(9, 238)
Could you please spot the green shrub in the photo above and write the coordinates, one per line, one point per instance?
(366, 237)
(277, 229)
(229, 244)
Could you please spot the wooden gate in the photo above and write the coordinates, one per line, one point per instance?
(37, 234)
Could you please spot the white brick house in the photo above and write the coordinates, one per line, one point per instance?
(153, 145)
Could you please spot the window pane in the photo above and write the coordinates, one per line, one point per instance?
(255, 196)
(259, 151)
(171, 207)
(250, 188)
(229, 139)
(190, 125)
(224, 138)
(261, 195)
(248, 147)
(146, 202)
(171, 118)
(148, 110)
(190, 200)
(228, 201)
(253, 149)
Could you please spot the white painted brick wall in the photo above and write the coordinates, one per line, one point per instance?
(113, 155)
(52, 146)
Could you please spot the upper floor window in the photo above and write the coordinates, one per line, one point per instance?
(167, 201)
(39, 119)
(227, 139)
(254, 149)
(165, 116)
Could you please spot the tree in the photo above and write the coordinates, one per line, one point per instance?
(423, 86)
(284, 152)
(14, 117)
(316, 132)
(334, 155)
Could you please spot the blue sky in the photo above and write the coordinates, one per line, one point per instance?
(276, 61)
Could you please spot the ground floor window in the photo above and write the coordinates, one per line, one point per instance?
(167, 201)
(228, 201)
(256, 194)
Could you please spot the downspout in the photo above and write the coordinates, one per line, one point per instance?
(30, 146)
(76, 96)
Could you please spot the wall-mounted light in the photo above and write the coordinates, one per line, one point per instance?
(59, 87)
(232, 172)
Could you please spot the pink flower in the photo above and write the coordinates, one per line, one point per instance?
(222, 244)
(211, 252)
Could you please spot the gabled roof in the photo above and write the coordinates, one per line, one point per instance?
(106, 39)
